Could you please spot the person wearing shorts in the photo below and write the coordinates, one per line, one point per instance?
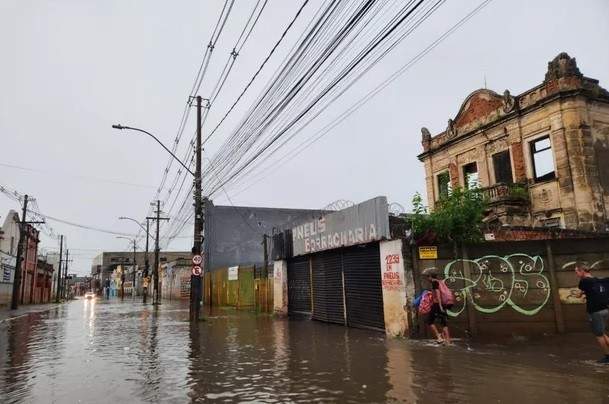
(596, 310)
(438, 311)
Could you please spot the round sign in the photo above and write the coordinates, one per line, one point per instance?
(196, 270)
(197, 259)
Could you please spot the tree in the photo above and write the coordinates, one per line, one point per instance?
(456, 218)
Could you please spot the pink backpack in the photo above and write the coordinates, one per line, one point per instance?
(447, 295)
(426, 303)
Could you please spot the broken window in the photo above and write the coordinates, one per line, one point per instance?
(470, 175)
(444, 186)
(543, 164)
(503, 167)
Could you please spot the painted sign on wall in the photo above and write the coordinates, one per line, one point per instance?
(394, 284)
(359, 224)
(7, 270)
(184, 287)
(233, 273)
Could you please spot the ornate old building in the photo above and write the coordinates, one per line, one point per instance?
(541, 157)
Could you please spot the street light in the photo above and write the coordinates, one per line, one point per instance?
(146, 261)
(123, 272)
(121, 127)
(195, 281)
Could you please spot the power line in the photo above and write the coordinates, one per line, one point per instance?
(364, 100)
(258, 71)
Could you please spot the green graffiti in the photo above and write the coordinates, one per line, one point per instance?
(495, 282)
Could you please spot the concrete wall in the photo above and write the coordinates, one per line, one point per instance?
(233, 235)
(517, 288)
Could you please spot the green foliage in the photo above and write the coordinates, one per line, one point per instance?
(519, 191)
(456, 218)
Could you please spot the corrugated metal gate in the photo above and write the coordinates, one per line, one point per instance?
(328, 287)
(299, 287)
(348, 277)
(363, 287)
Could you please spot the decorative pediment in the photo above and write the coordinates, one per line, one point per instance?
(478, 104)
(479, 108)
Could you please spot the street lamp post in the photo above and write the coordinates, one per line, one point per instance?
(146, 262)
(123, 273)
(196, 286)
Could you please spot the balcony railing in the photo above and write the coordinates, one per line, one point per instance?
(504, 192)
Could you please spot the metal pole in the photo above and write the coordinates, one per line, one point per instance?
(59, 269)
(19, 261)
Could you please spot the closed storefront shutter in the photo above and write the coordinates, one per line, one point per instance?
(328, 287)
(299, 287)
(363, 287)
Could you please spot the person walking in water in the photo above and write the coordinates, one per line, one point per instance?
(592, 289)
(443, 300)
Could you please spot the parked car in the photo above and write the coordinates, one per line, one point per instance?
(89, 295)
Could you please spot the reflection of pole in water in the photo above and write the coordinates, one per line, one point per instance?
(400, 373)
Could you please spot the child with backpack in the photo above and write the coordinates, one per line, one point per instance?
(442, 300)
(596, 292)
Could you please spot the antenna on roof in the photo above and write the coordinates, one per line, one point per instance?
(485, 81)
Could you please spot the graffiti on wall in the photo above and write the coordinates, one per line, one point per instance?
(515, 280)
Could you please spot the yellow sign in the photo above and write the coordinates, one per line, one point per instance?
(145, 282)
(428, 253)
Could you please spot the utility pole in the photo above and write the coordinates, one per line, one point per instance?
(266, 270)
(155, 270)
(134, 264)
(196, 287)
(59, 269)
(146, 263)
(20, 259)
(65, 278)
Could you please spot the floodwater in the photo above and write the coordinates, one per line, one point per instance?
(111, 352)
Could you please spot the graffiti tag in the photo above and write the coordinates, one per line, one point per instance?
(515, 280)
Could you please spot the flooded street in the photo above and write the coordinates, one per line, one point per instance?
(108, 351)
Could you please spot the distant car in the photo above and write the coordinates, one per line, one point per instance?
(89, 295)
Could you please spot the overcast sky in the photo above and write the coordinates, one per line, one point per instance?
(71, 69)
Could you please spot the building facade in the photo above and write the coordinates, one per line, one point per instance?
(9, 238)
(107, 265)
(541, 157)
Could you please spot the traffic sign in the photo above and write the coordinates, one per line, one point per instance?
(197, 259)
(196, 270)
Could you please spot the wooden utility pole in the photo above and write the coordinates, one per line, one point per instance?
(19, 261)
(20, 257)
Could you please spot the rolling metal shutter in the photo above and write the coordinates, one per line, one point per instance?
(328, 287)
(363, 287)
(299, 287)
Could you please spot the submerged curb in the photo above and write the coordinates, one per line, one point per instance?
(42, 310)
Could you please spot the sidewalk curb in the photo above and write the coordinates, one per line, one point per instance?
(34, 312)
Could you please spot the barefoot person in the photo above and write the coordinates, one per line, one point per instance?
(588, 287)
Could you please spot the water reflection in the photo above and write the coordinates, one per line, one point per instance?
(100, 350)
